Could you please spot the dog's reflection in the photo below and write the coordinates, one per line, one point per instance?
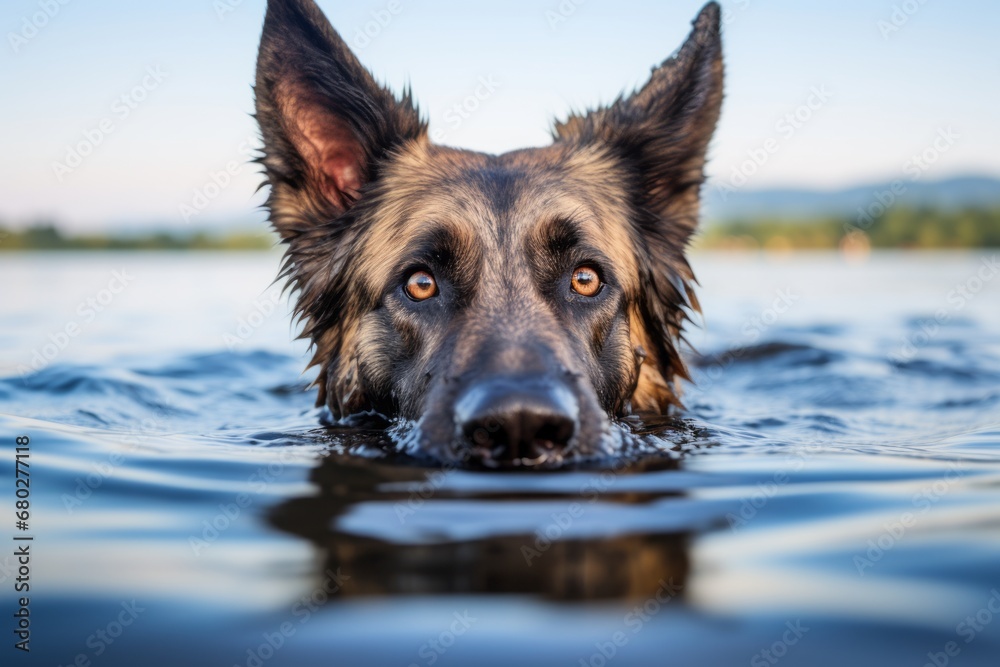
(615, 565)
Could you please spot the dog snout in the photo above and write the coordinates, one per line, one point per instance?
(517, 421)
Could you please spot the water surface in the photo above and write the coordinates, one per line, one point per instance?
(830, 497)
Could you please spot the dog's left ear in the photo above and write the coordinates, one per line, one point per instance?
(660, 134)
(662, 131)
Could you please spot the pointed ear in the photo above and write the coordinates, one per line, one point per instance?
(661, 134)
(327, 125)
(662, 131)
(325, 121)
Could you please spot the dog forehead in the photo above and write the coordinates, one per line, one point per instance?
(500, 203)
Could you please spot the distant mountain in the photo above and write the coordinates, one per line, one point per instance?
(949, 194)
(788, 204)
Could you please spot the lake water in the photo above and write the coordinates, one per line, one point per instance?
(832, 496)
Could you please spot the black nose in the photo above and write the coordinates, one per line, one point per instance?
(517, 420)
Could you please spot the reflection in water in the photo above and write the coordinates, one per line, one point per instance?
(824, 442)
(544, 563)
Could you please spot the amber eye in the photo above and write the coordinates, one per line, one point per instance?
(421, 285)
(586, 282)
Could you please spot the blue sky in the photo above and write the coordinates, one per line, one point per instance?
(879, 96)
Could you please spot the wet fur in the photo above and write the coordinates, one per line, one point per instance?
(359, 195)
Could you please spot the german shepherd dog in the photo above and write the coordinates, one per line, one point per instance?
(512, 309)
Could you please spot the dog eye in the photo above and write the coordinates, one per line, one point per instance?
(421, 285)
(585, 281)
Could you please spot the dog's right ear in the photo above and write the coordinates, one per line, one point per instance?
(325, 121)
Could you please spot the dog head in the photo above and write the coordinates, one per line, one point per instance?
(513, 306)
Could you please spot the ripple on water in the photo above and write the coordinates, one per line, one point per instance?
(804, 484)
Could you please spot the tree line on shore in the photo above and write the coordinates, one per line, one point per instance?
(897, 228)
